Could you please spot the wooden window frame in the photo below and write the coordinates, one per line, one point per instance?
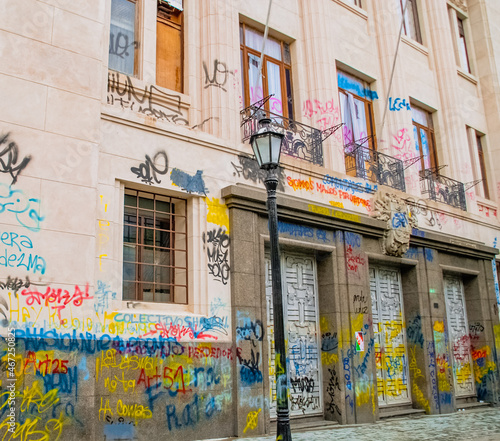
(370, 125)
(163, 16)
(482, 165)
(288, 111)
(416, 20)
(172, 248)
(461, 37)
(430, 139)
(136, 44)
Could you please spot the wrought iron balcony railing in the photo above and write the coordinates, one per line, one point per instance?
(440, 188)
(301, 141)
(374, 166)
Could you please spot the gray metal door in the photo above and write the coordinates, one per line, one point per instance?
(459, 336)
(300, 305)
(390, 336)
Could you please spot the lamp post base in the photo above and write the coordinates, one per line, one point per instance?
(283, 432)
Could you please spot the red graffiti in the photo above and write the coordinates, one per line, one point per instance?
(60, 297)
(325, 114)
(354, 261)
(299, 184)
(177, 332)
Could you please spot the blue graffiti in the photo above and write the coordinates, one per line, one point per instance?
(414, 331)
(27, 210)
(398, 104)
(213, 323)
(417, 232)
(102, 297)
(348, 185)
(64, 382)
(192, 184)
(352, 239)
(495, 277)
(88, 343)
(15, 254)
(191, 414)
(346, 83)
(414, 252)
(302, 231)
(399, 220)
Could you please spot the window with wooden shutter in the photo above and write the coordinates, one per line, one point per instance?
(169, 53)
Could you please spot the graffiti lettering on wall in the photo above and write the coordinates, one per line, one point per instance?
(432, 217)
(102, 297)
(15, 283)
(248, 329)
(220, 75)
(332, 391)
(26, 210)
(15, 254)
(148, 169)
(59, 297)
(414, 331)
(333, 213)
(250, 372)
(486, 211)
(151, 101)
(354, 257)
(415, 252)
(324, 114)
(191, 184)
(396, 104)
(249, 169)
(9, 156)
(216, 242)
(103, 237)
(119, 44)
(303, 231)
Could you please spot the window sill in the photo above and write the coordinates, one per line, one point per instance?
(462, 73)
(136, 95)
(486, 207)
(415, 45)
(354, 9)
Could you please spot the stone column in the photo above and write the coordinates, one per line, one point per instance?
(219, 73)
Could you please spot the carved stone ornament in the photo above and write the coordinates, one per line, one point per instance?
(462, 4)
(393, 210)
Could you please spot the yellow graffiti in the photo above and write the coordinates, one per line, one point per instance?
(417, 373)
(324, 325)
(333, 213)
(438, 326)
(363, 394)
(464, 374)
(337, 204)
(34, 396)
(419, 396)
(217, 213)
(327, 358)
(357, 322)
(30, 431)
(480, 372)
(252, 420)
(443, 383)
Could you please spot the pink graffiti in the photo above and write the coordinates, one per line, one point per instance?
(324, 115)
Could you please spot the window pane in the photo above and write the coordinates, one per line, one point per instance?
(147, 273)
(180, 293)
(129, 291)
(253, 40)
(162, 274)
(289, 97)
(146, 236)
(129, 271)
(162, 293)
(169, 51)
(256, 91)
(131, 200)
(162, 257)
(425, 148)
(162, 239)
(274, 87)
(122, 36)
(129, 234)
(163, 206)
(130, 216)
(146, 254)
(417, 143)
(420, 116)
(146, 202)
(129, 253)
(146, 289)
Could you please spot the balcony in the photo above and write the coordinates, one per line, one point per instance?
(301, 141)
(440, 188)
(364, 162)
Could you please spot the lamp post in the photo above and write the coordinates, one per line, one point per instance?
(266, 144)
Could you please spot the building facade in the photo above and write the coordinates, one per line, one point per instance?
(134, 270)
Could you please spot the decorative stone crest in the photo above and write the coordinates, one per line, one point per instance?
(462, 4)
(393, 210)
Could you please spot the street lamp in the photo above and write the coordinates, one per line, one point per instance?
(266, 145)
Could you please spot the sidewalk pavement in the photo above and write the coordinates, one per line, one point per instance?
(478, 425)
